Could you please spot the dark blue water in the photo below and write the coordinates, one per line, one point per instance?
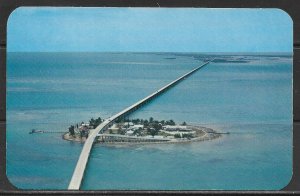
(249, 96)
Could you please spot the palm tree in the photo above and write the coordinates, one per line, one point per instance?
(151, 119)
(177, 136)
(172, 122)
(157, 126)
(146, 123)
(152, 131)
(71, 130)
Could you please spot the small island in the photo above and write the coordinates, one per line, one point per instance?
(141, 131)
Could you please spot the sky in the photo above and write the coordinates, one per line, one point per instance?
(66, 29)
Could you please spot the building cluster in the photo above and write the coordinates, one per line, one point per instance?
(127, 128)
(137, 128)
(131, 129)
(83, 129)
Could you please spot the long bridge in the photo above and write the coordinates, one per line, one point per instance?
(94, 133)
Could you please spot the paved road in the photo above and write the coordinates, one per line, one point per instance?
(84, 156)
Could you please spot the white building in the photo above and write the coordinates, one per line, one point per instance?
(137, 127)
(114, 128)
(85, 124)
(170, 137)
(128, 124)
(176, 128)
(178, 132)
(129, 133)
(159, 137)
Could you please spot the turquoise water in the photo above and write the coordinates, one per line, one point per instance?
(249, 96)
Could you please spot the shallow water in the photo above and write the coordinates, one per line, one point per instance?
(251, 98)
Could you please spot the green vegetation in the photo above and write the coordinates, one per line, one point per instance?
(177, 136)
(72, 130)
(140, 129)
(121, 132)
(170, 122)
(94, 123)
(148, 122)
(137, 132)
(151, 127)
(151, 122)
(152, 131)
(187, 135)
(82, 130)
(150, 119)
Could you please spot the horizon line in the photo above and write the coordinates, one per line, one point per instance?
(282, 52)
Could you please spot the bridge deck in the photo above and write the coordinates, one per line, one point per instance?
(84, 156)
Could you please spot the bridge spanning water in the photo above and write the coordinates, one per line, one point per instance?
(94, 133)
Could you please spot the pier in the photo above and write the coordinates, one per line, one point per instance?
(98, 131)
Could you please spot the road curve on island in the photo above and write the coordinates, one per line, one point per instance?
(78, 173)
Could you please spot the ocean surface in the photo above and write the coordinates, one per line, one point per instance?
(249, 96)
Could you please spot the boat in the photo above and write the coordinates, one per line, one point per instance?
(36, 131)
